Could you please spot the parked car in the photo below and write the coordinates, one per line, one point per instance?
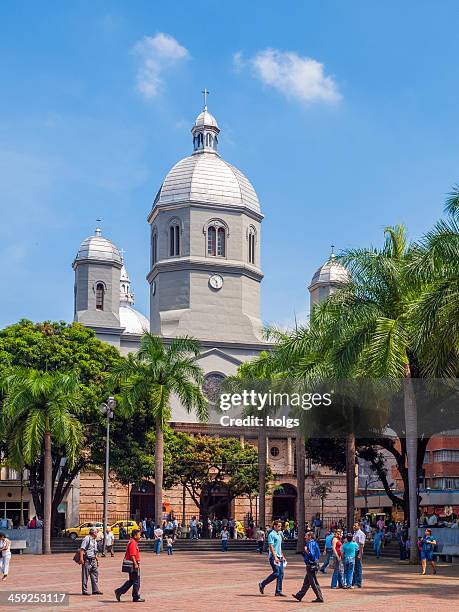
(128, 526)
(81, 531)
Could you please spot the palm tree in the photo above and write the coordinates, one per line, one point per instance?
(152, 376)
(40, 410)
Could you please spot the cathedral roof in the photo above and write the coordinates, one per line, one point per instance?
(98, 248)
(132, 320)
(204, 176)
(207, 178)
(331, 272)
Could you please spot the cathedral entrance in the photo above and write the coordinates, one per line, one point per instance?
(284, 502)
(143, 501)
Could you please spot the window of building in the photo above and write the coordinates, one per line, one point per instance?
(154, 248)
(211, 240)
(445, 483)
(274, 451)
(451, 455)
(221, 242)
(100, 294)
(174, 240)
(251, 239)
(12, 510)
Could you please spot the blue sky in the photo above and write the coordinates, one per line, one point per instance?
(344, 115)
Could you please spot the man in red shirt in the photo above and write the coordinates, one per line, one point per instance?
(132, 554)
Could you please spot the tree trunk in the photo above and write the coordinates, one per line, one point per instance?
(300, 481)
(21, 507)
(159, 471)
(262, 476)
(48, 495)
(411, 428)
(350, 479)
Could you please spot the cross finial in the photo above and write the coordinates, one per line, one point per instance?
(332, 254)
(205, 92)
(122, 252)
(98, 230)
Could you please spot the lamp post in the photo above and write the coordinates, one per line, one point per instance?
(107, 409)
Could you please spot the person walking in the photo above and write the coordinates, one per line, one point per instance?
(276, 559)
(224, 538)
(132, 554)
(328, 551)
(337, 577)
(193, 528)
(359, 538)
(349, 551)
(377, 542)
(5, 547)
(89, 563)
(311, 557)
(109, 543)
(158, 533)
(427, 548)
(260, 539)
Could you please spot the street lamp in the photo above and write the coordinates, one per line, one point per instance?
(107, 409)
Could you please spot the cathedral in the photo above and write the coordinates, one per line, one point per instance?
(204, 282)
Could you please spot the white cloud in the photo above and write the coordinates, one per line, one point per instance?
(293, 75)
(156, 53)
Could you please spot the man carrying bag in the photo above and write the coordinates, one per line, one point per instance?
(88, 561)
(311, 557)
(131, 565)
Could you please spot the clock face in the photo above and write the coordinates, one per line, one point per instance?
(216, 281)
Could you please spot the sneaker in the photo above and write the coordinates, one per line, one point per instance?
(140, 600)
(261, 588)
(317, 601)
(296, 597)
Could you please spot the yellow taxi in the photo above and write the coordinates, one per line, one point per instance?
(81, 531)
(128, 526)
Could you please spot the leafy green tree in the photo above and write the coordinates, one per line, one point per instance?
(152, 376)
(321, 489)
(62, 347)
(209, 464)
(40, 409)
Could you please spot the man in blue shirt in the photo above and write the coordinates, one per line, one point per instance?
(328, 551)
(276, 559)
(427, 547)
(311, 556)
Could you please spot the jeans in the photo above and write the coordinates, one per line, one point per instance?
(277, 574)
(193, 533)
(169, 550)
(224, 545)
(348, 571)
(310, 580)
(134, 582)
(260, 546)
(326, 563)
(377, 547)
(157, 546)
(337, 578)
(358, 572)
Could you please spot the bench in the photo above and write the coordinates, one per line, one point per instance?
(449, 552)
(19, 545)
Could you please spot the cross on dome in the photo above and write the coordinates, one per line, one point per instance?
(205, 92)
(205, 130)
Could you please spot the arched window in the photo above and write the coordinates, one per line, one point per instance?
(200, 140)
(221, 242)
(154, 248)
(174, 240)
(209, 140)
(251, 240)
(211, 241)
(100, 294)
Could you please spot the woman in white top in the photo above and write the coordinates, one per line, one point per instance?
(5, 547)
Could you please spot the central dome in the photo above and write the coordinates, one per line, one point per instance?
(207, 178)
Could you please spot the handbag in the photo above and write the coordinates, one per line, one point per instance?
(76, 557)
(127, 566)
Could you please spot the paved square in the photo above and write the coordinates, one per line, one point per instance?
(219, 582)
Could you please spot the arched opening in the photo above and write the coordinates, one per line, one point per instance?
(284, 502)
(211, 241)
(221, 242)
(143, 501)
(100, 294)
(215, 502)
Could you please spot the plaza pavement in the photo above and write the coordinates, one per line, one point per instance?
(224, 582)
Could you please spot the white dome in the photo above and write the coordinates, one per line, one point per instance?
(132, 320)
(98, 248)
(206, 177)
(205, 118)
(332, 272)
